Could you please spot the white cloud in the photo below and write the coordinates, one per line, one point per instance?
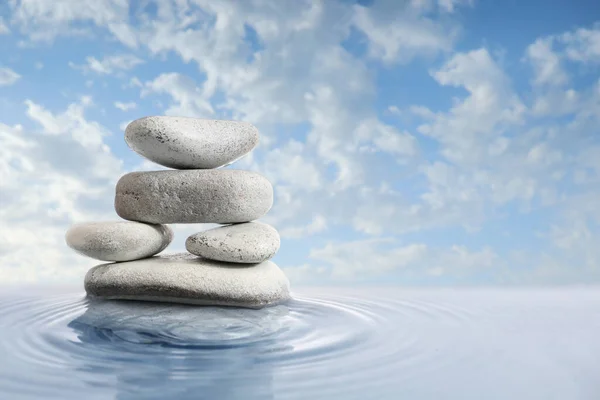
(491, 105)
(572, 236)
(471, 135)
(73, 123)
(394, 110)
(44, 192)
(583, 44)
(333, 161)
(366, 259)
(549, 56)
(556, 102)
(125, 106)
(317, 225)
(133, 82)
(461, 257)
(8, 76)
(546, 63)
(422, 112)
(110, 64)
(575, 256)
(3, 28)
(188, 98)
(42, 21)
(318, 81)
(400, 31)
(292, 165)
(484, 140)
(385, 138)
(306, 274)
(451, 5)
(351, 260)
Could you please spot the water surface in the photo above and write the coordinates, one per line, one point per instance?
(328, 343)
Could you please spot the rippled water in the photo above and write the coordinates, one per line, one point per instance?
(376, 343)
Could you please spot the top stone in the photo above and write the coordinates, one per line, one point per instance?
(190, 143)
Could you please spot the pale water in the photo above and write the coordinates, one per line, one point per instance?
(329, 343)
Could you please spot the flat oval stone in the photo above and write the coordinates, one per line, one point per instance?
(251, 242)
(118, 240)
(190, 143)
(193, 196)
(185, 278)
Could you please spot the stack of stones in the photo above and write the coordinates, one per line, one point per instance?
(228, 265)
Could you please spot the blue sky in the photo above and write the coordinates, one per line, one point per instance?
(422, 142)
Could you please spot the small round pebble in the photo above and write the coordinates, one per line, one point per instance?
(118, 240)
(251, 242)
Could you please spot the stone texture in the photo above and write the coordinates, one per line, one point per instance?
(251, 242)
(190, 143)
(185, 278)
(118, 240)
(193, 196)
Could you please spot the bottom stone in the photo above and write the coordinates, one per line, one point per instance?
(185, 278)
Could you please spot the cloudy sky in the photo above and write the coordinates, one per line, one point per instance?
(421, 142)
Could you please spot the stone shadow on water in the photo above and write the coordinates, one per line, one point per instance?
(143, 350)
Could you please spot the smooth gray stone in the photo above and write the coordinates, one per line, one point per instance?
(118, 240)
(193, 196)
(251, 242)
(190, 143)
(185, 278)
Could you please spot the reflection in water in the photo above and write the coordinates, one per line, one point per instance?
(335, 343)
(178, 351)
